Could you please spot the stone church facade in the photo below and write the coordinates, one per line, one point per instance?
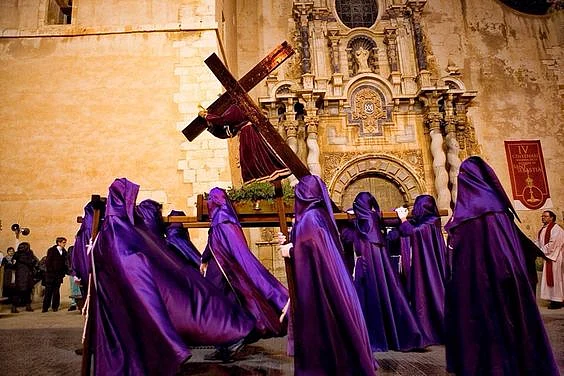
(382, 95)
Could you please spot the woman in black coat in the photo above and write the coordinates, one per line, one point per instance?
(25, 267)
(9, 282)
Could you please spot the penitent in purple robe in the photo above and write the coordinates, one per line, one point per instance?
(427, 275)
(234, 269)
(178, 240)
(330, 336)
(81, 264)
(151, 213)
(176, 235)
(149, 305)
(390, 321)
(493, 325)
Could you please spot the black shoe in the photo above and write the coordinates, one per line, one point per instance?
(554, 305)
(72, 308)
(14, 310)
(216, 355)
(235, 348)
(55, 309)
(28, 308)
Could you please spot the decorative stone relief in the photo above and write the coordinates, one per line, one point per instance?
(411, 159)
(387, 166)
(368, 111)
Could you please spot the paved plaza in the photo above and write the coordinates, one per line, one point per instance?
(35, 343)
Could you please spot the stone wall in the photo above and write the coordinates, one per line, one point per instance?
(102, 98)
(511, 60)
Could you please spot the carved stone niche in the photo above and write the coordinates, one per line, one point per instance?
(362, 55)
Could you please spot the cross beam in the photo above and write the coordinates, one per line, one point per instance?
(247, 82)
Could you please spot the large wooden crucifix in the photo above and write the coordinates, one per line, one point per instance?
(236, 93)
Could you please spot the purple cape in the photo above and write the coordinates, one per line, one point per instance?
(427, 277)
(493, 325)
(390, 321)
(178, 240)
(81, 264)
(330, 336)
(149, 305)
(151, 213)
(233, 268)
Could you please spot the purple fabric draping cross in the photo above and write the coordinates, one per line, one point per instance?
(258, 161)
(427, 274)
(149, 305)
(233, 268)
(330, 336)
(390, 321)
(178, 240)
(493, 325)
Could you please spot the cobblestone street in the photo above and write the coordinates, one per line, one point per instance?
(35, 343)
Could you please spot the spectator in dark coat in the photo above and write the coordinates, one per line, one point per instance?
(56, 269)
(9, 282)
(25, 262)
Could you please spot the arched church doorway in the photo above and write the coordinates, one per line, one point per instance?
(390, 180)
(387, 192)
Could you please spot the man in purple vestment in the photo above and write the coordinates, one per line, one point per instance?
(493, 325)
(149, 306)
(423, 240)
(390, 321)
(330, 336)
(228, 262)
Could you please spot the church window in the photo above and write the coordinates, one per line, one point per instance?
(59, 12)
(357, 13)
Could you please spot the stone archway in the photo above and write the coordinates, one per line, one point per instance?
(377, 166)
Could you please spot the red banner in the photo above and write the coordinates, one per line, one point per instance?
(527, 172)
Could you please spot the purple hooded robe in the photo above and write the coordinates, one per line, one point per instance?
(233, 268)
(81, 264)
(178, 240)
(149, 306)
(151, 213)
(427, 274)
(330, 336)
(390, 321)
(493, 325)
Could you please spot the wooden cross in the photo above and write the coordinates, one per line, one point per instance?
(236, 93)
(247, 82)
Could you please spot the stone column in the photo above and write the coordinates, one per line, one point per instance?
(433, 120)
(335, 58)
(312, 122)
(453, 148)
(292, 141)
(390, 40)
(302, 13)
(418, 36)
